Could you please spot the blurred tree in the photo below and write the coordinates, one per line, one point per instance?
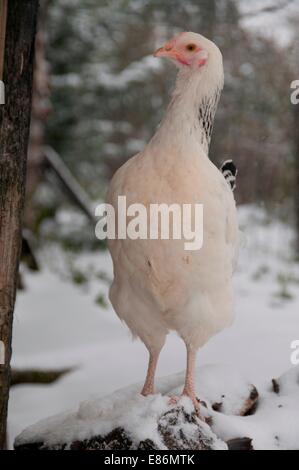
(101, 53)
(45, 167)
(14, 132)
(41, 108)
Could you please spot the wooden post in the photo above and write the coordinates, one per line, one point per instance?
(3, 15)
(18, 56)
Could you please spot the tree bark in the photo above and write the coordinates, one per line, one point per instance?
(14, 133)
(3, 16)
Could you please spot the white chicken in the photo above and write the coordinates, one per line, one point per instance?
(158, 286)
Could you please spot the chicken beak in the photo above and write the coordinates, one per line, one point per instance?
(160, 52)
(166, 51)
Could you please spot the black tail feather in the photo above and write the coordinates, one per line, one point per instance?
(229, 171)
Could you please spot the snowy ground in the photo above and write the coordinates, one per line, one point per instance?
(273, 425)
(58, 324)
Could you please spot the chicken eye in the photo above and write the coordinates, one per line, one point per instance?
(191, 47)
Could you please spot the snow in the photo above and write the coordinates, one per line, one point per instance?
(125, 408)
(273, 426)
(275, 24)
(232, 389)
(135, 72)
(58, 324)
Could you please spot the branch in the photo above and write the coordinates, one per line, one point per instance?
(36, 376)
(268, 9)
(70, 184)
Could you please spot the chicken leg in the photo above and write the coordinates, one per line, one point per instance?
(189, 388)
(148, 387)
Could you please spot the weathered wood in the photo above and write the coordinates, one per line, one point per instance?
(14, 133)
(3, 16)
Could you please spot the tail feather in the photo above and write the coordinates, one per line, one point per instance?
(229, 171)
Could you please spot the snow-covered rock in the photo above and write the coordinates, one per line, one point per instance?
(236, 417)
(127, 420)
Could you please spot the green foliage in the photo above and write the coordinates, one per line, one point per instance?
(101, 300)
(285, 282)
